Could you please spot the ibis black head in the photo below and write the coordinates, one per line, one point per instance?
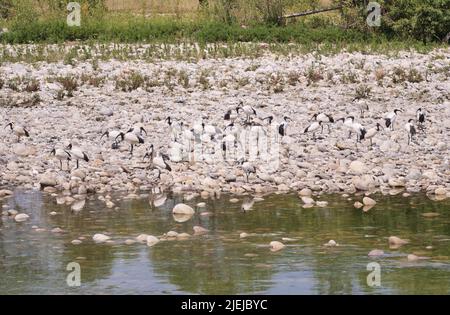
(69, 147)
(378, 126)
(351, 118)
(320, 122)
(106, 133)
(227, 115)
(130, 130)
(121, 135)
(165, 157)
(397, 110)
(315, 116)
(53, 151)
(331, 119)
(142, 130)
(419, 110)
(269, 118)
(229, 125)
(149, 153)
(286, 118)
(168, 119)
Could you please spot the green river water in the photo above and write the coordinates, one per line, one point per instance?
(220, 262)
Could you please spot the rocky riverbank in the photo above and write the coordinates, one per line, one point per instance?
(76, 101)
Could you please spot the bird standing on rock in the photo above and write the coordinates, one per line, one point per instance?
(420, 117)
(282, 128)
(390, 118)
(313, 128)
(348, 124)
(131, 138)
(77, 153)
(138, 130)
(159, 161)
(324, 118)
(247, 109)
(410, 129)
(61, 155)
(372, 132)
(19, 131)
(112, 135)
(248, 168)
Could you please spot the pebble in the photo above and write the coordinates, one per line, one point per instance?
(152, 240)
(243, 235)
(394, 240)
(358, 205)
(21, 217)
(100, 238)
(376, 253)
(182, 208)
(276, 246)
(76, 242)
(331, 243)
(142, 238)
(200, 230)
(172, 234)
(78, 206)
(369, 201)
(307, 200)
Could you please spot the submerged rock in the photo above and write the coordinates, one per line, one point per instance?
(243, 235)
(100, 238)
(142, 238)
(152, 240)
(21, 217)
(78, 206)
(331, 243)
(200, 230)
(308, 200)
(394, 240)
(358, 205)
(376, 253)
(276, 246)
(369, 201)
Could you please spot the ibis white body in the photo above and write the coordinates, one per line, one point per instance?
(77, 154)
(62, 155)
(18, 130)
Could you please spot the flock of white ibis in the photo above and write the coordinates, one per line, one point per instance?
(182, 136)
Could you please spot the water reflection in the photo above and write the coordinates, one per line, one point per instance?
(220, 262)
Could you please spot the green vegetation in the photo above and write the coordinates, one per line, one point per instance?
(421, 25)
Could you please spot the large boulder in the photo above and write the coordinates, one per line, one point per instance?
(357, 168)
(47, 180)
(364, 183)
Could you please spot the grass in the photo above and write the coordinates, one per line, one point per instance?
(127, 28)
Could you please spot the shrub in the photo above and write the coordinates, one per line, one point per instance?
(362, 92)
(32, 86)
(130, 81)
(69, 84)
